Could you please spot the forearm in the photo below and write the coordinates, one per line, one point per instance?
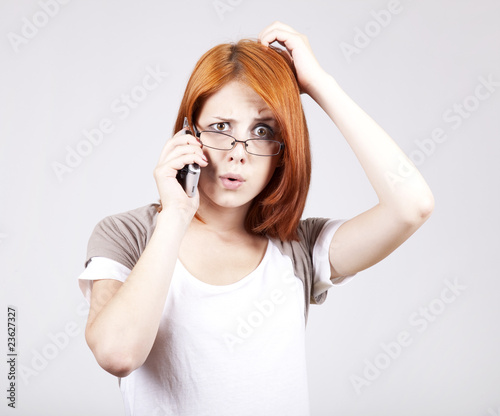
(396, 181)
(125, 328)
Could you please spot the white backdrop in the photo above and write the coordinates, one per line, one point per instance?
(394, 340)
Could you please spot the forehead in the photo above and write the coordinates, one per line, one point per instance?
(236, 98)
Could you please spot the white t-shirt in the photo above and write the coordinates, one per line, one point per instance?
(237, 349)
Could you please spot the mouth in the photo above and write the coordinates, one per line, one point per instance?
(231, 181)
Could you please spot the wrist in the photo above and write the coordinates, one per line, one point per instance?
(173, 219)
(322, 82)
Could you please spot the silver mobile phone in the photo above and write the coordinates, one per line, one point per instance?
(189, 175)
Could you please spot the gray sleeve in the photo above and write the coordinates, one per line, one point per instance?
(301, 253)
(122, 237)
(309, 231)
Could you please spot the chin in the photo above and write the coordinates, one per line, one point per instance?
(223, 198)
(228, 201)
(216, 195)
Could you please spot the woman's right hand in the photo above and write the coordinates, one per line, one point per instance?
(180, 150)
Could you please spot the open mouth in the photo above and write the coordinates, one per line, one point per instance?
(232, 181)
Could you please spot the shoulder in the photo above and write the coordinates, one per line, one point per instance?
(305, 255)
(142, 218)
(146, 213)
(123, 235)
(314, 238)
(301, 250)
(310, 228)
(308, 231)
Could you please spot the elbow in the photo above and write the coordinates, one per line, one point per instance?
(111, 357)
(415, 211)
(425, 207)
(420, 211)
(116, 364)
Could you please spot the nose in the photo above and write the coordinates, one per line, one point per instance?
(238, 153)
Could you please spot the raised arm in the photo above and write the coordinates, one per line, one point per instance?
(405, 200)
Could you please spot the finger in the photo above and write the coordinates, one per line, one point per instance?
(285, 50)
(276, 31)
(170, 168)
(179, 161)
(276, 25)
(179, 140)
(284, 39)
(184, 150)
(287, 39)
(184, 132)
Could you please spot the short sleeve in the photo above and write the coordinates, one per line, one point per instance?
(123, 237)
(114, 239)
(116, 244)
(101, 268)
(322, 280)
(310, 257)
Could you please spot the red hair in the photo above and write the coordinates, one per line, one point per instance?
(277, 210)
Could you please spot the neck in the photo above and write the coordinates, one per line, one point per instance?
(223, 221)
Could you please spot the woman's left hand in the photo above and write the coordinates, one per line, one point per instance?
(307, 67)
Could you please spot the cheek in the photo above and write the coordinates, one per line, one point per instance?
(213, 156)
(272, 165)
(267, 170)
(206, 177)
(211, 159)
(209, 172)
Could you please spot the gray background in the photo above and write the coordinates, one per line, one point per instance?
(427, 59)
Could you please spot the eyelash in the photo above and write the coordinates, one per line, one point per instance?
(212, 126)
(269, 129)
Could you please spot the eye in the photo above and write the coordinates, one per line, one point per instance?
(263, 132)
(221, 126)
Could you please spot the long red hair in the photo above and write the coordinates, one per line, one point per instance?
(277, 210)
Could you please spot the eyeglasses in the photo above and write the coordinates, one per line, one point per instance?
(221, 141)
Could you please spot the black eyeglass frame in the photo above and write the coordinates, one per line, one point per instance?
(235, 141)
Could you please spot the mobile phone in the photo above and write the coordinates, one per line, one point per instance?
(189, 175)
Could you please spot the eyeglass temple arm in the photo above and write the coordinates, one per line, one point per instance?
(196, 132)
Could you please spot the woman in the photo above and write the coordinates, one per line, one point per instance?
(199, 304)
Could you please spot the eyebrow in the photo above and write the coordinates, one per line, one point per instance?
(261, 119)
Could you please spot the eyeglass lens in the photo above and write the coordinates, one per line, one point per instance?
(221, 141)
